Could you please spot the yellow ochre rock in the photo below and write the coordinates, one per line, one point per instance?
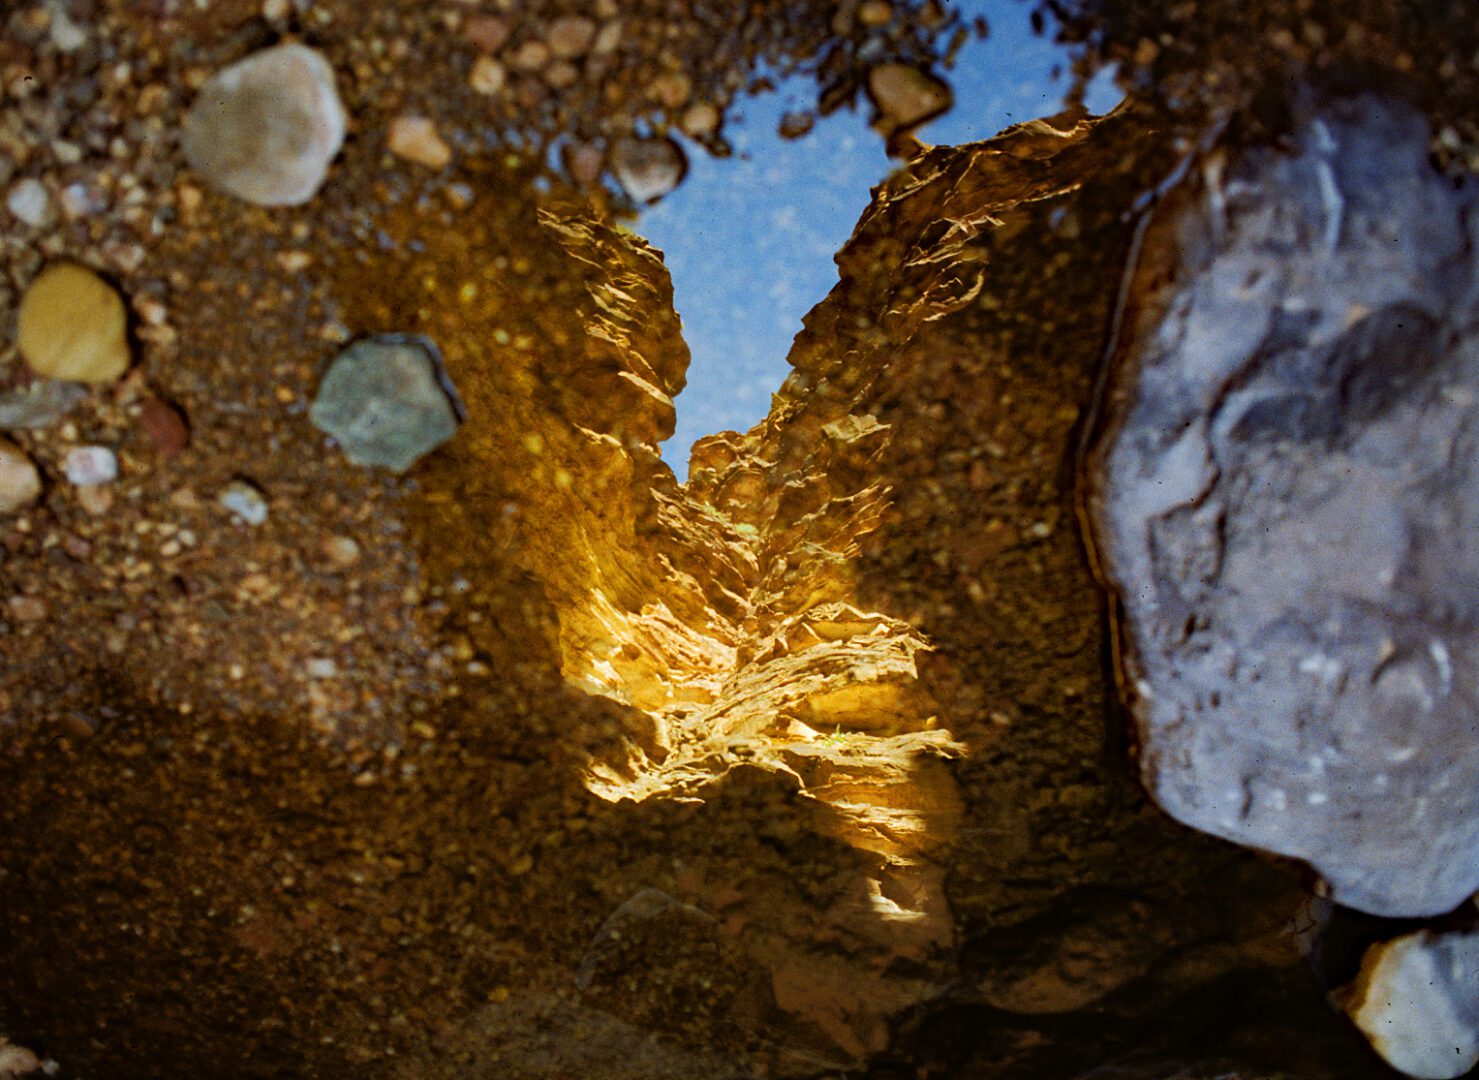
(73, 326)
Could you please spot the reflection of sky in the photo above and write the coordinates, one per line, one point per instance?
(749, 240)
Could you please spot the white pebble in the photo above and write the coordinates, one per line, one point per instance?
(320, 667)
(31, 203)
(245, 501)
(88, 466)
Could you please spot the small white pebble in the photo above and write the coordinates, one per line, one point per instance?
(88, 466)
(30, 202)
(245, 501)
(320, 667)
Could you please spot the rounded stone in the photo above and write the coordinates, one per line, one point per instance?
(266, 128)
(387, 401)
(907, 96)
(20, 482)
(73, 326)
(648, 168)
(87, 466)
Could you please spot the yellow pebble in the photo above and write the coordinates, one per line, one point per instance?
(73, 326)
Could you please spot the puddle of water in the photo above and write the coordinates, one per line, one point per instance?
(749, 240)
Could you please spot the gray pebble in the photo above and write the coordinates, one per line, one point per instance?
(387, 401)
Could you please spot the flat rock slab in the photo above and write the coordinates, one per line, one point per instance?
(1285, 497)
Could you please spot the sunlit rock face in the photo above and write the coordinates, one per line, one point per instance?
(1286, 499)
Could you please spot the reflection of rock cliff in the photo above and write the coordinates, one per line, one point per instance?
(808, 763)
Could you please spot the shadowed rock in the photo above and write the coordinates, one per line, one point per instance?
(1285, 498)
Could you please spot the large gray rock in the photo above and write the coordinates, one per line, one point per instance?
(387, 401)
(1285, 496)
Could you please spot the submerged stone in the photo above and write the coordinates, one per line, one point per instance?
(73, 326)
(266, 128)
(1417, 1000)
(648, 168)
(1286, 499)
(387, 401)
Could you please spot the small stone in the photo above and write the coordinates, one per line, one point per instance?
(648, 168)
(275, 10)
(486, 32)
(794, 125)
(30, 202)
(73, 326)
(387, 401)
(1417, 1001)
(562, 75)
(26, 608)
(571, 36)
(415, 138)
(244, 500)
(700, 120)
(87, 466)
(266, 128)
(165, 425)
(16, 1061)
(82, 201)
(64, 32)
(671, 90)
(342, 551)
(531, 56)
(95, 499)
(875, 13)
(584, 162)
(608, 38)
(906, 96)
(20, 482)
(488, 76)
(320, 667)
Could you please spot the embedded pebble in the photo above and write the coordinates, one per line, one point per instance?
(1417, 1001)
(95, 499)
(30, 202)
(907, 96)
(244, 500)
(27, 608)
(39, 404)
(571, 36)
(488, 76)
(387, 401)
(87, 466)
(20, 482)
(16, 1061)
(700, 120)
(486, 32)
(342, 551)
(648, 168)
(415, 138)
(267, 128)
(165, 426)
(73, 326)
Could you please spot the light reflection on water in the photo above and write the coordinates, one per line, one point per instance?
(749, 240)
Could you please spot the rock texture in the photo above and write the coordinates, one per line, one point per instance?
(1285, 504)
